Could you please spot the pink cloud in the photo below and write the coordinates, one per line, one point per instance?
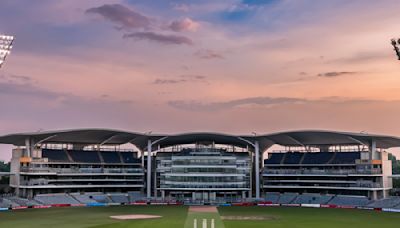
(160, 38)
(121, 15)
(185, 24)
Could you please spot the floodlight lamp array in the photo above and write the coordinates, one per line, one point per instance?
(395, 43)
(5, 47)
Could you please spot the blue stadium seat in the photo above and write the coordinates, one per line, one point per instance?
(272, 197)
(287, 198)
(317, 158)
(342, 200)
(59, 198)
(305, 198)
(55, 155)
(83, 198)
(128, 157)
(392, 202)
(84, 156)
(346, 157)
(101, 198)
(110, 157)
(275, 158)
(293, 158)
(119, 197)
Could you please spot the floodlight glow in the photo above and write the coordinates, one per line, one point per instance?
(5, 47)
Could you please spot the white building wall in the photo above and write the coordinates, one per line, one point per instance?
(386, 172)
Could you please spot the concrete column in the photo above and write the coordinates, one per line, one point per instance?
(257, 170)
(30, 194)
(250, 195)
(142, 153)
(374, 195)
(148, 168)
(155, 182)
(163, 194)
(372, 150)
(28, 146)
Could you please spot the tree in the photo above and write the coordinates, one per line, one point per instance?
(4, 167)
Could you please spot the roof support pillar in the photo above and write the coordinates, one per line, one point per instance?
(29, 147)
(257, 170)
(148, 180)
(372, 150)
(142, 155)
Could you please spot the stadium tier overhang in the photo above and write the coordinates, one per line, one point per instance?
(140, 140)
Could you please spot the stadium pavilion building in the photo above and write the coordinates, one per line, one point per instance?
(200, 167)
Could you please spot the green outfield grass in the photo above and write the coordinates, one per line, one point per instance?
(176, 216)
(310, 217)
(78, 217)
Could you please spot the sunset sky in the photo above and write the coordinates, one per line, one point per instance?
(170, 66)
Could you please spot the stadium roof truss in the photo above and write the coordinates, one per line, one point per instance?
(117, 137)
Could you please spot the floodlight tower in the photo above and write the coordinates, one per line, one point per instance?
(396, 48)
(5, 47)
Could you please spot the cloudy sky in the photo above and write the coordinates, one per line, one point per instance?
(170, 66)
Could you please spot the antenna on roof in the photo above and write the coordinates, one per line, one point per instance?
(396, 48)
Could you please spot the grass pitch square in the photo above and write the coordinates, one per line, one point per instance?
(201, 213)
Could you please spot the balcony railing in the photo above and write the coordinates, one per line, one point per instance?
(81, 170)
(321, 185)
(321, 172)
(239, 183)
(203, 186)
(43, 181)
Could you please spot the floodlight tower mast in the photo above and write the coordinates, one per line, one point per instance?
(396, 47)
(5, 47)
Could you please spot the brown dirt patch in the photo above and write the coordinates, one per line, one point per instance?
(254, 218)
(203, 209)
(128, 217)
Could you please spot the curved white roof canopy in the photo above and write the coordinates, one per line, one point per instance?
(117, 137)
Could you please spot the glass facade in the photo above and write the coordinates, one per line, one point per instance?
(203, 170)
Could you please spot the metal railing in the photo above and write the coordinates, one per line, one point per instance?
(81, 170)
(321, 172)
